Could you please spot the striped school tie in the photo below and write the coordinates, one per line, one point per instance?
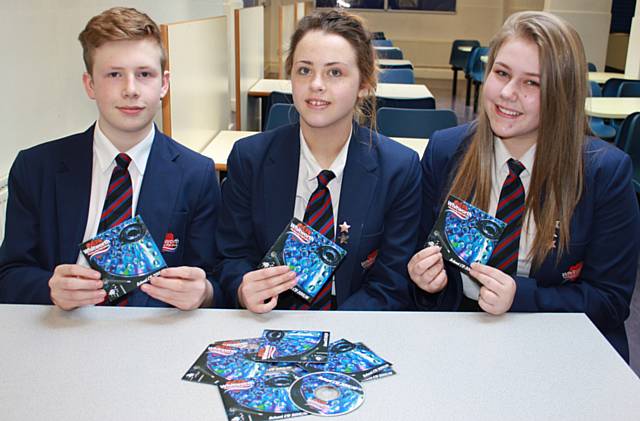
(510, 210)
(118, 203)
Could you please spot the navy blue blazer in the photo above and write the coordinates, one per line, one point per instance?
(49, 191)
(595, 276)
(380, 199)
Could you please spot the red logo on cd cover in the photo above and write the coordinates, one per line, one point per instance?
(459, 208)
(573, 273)
(237, 385)
(170, 244)
(97, 246)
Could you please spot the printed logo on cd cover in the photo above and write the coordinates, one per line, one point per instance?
(302, 233)
(221, 350)
(232, 385)
(97, 246)
(573, 273)
(459, 209)
(170, 244)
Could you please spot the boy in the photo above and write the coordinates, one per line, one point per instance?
(64, 192)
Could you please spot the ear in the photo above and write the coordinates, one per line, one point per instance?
(87, 82)
(364, 91)
(165, 84)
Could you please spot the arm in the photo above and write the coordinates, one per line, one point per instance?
(604, 287)
(386, 285)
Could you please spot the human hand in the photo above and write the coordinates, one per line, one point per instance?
(426, 269)
(259, 289)
(497, 291)
(75, 286)
(184, 287)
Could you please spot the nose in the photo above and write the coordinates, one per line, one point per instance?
(510, 90)
(317, 83)
(130, 88)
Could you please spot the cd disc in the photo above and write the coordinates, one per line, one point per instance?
(327, 393)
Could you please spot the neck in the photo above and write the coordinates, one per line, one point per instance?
(326, 143)
(518, 147)
(124, 141)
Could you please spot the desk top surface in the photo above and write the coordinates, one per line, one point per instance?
(602, 77)
(264, 87)
(126, 363)
(393, 62)
(611, 107)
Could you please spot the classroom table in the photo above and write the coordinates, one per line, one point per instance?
(612, 107)
(220, 146)
(465, 48)
(126, 363)
(602, 77)
(386, 63)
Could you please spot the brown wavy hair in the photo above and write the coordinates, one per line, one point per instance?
(118, 24)
(557, 178)
(353, 29)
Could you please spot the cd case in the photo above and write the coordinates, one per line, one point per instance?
(465, 233)
(125, 255)
(294, 346)
(311, 255)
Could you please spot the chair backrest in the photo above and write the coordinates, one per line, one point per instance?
(404, 122)
(458, 57)
(623, 136)
(382, 43)
(632, 146)
(611, 87)
(630, 88)
(281, 115)
(389, 53)
(595, 89)
(274, 97)
(592, 67)
(414, 104)
(477, 65)
(378, 35)
(396, 76)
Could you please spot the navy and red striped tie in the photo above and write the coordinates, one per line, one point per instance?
(118, 203)
(510, 210)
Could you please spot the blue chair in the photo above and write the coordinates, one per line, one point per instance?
(414, 104)
(477, 72)
(281, 115)
(630, 88)
(632, 145)
(378, 35)
(382, 43)
(396, 76)
(611, 87)
(391, 53)
(624, 136)
(404, 122)
(597, 124)
(592, 67)
(458, 58)
(273, 98)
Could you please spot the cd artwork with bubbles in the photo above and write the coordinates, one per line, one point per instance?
(125, 255)
(294, 346)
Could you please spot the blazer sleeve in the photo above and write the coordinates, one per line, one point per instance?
(386, 285)
(23, 280)
(605, 285)
(237, 246)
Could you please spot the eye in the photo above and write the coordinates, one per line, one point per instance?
(145, 74)
(303, 71)
(113, 74)
(335, 72)
(532, 83)
(501, 73)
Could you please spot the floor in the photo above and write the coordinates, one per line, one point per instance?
(441, 90)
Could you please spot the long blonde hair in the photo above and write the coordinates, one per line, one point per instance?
(558, 172)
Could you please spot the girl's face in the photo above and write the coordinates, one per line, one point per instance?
(511, 93)
(325, 80)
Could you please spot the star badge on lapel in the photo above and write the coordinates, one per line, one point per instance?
(344, 227)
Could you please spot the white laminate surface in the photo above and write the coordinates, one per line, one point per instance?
(611, 107)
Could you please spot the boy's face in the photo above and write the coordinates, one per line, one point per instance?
(127, 85)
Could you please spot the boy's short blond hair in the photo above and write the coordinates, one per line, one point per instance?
(118, 24)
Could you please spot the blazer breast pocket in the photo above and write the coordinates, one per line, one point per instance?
(174, 240)
(569, 268)
(368, 250)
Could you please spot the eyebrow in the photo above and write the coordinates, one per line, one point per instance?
(333, 63)
(509, 68)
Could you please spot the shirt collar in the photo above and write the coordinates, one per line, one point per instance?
(106, 153)
(313, 168)
(502, 155)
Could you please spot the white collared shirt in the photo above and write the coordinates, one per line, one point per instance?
(500, 170)
(104, 155)
(308, 170)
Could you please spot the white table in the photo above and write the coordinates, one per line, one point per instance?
(220, 147)
(103, 363)
(602, 77)
(264, 87)
(611, 107)
(385, 62)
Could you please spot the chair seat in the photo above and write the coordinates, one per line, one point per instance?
(602, 130)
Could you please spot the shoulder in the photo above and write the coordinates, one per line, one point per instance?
(62, 147)
(184, 156)
(605, 162)
(448, 141)
(259, 144)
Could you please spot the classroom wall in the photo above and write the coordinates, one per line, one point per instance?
(42, 67)
(426, 38)
(632, 66)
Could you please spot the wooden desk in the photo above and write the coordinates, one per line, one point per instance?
(264, 87)
(617, 108)
(602, 77)
(220, 147)
(100, 363)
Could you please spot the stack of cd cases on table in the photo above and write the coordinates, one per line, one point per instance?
(288, 373)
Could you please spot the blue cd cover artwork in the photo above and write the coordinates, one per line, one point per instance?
(291, 346)
(226, 361)
(465, 233)
(311, 255)
(327, 394)
(125, 255)
(355, 360)
(262, 398)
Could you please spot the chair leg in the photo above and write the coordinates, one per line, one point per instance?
(455, 83)
(468, 97)
(475, 97)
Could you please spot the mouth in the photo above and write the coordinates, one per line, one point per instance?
(317, 103)
(507, 112)
(130, 110)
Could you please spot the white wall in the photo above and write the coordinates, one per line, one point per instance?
(41, 71)
(632, 68)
